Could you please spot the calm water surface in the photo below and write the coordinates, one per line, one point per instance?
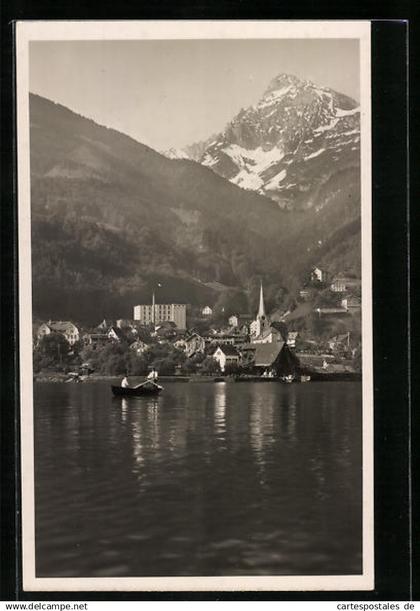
(207, 479)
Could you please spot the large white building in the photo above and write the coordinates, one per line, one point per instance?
(157, 313)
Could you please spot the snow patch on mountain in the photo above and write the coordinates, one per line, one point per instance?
(274, 183)
(312, 155)
(257, 159)
(274, 96)
(325, 128)
(247, 180)
(346, 113)
(209, 161)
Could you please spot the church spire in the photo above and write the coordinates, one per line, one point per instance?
(261, 309)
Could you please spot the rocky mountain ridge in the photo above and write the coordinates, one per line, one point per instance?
(289, 144)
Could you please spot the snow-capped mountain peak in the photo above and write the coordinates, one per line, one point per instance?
(292, 140)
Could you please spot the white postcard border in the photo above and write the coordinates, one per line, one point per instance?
(176, 29)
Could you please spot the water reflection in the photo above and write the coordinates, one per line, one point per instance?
(124, 409)
(220, 410)
(288, 413)
(261, 419)
(137, 448)
(206, 479)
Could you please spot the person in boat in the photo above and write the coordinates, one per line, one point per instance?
(153, 375)
(125, 383)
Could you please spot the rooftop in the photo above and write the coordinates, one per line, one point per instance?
(60, 325)
(331, 310)
(266, 354)
(228, 350)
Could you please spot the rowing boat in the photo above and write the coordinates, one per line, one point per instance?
(146, 388)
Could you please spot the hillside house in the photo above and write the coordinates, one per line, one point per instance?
(351, 304)
(331, 312)
(207, 311)
(194, 344)
(342, 284)
(64, 327)
(317, 275)
(239, 320)
(226, 355)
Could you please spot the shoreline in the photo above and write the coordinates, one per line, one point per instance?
(194, 379)
(62, 377)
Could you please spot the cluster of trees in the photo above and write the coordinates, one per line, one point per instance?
(54, 353)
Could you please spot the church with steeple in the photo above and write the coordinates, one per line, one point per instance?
(261, 324)
(262, 330)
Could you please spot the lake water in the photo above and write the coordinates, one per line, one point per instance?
(207, 479)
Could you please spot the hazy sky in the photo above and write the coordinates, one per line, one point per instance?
(172, 93)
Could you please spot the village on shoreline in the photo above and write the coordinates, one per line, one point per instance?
(319, 339)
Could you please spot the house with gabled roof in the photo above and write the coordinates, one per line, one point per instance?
(64, 327)
(342, 283)
(105, 324)
(194, 344)
(116, 334)
(318, 275)
(226, 355)
(351, 303)
(276, 359)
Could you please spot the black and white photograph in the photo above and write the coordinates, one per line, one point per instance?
(195, 305)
